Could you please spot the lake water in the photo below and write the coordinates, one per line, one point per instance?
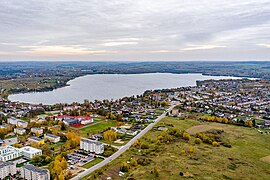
(111, 86)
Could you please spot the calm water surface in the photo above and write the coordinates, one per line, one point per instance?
(111, 86)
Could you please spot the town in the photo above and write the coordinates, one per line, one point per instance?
(63, 141)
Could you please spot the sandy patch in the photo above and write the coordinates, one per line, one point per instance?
(200, 128)
(266, 159)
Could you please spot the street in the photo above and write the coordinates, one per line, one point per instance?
(123, 148)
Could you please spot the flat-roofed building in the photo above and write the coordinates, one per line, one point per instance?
(30, 152)
(52, 138)
(8, 153)
(31, 172)
(37, 130)
(19, 131)
(92, 146)
(7, 168)
(37, 140)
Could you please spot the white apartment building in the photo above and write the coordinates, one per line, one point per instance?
(52, 138)
(31, 172)
(92, 146)
(30, 152)
(20, 131)
(17, 122)
(7, 168)
(8, 153)
(37, 130)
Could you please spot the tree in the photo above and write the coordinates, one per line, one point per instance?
(133, 162)
(61, 176)
(110, 135)
(124, 167)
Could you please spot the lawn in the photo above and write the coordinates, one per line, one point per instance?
(92, 163)
(96, 128)
(242, 161)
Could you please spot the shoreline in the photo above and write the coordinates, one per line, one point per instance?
(47, 89)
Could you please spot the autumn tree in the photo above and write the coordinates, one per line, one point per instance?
(110, 135)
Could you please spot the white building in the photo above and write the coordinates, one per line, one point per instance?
(8, 153)
(17, 122)
(30, 172)
(52, 138)
(92, 146)
(22, 124)
(7, 168)
(12, 121)
(30, 152)
(37, 130)
(20, 131)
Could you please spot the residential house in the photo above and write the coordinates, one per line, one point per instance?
(37, 130)
(52, 138)
(37, 140)
(19, 131)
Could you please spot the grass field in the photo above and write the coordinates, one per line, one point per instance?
(96, 128)
(92, 163)
(241, 161)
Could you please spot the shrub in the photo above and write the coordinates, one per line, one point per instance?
(186, 136)
(215, 144)
(198, 141)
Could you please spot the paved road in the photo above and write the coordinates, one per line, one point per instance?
(123, 148)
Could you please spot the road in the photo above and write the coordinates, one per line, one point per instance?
(123, 148)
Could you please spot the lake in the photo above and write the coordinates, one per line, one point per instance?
(111, 86)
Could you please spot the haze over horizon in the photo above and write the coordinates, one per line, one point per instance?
(115, 30)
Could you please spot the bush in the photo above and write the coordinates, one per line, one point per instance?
(215, 144)
(198, 141)
(186, 136)
(124, 167)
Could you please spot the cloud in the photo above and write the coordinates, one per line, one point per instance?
(135, 30)
(119, 43)
(201, 47)
(264, 45)
(61, 50)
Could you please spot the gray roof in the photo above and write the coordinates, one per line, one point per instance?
(91, 141)
(3, 164)
(35, 169)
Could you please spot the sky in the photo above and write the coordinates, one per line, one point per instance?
(134, 30)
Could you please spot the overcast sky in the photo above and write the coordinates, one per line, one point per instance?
(134, 30)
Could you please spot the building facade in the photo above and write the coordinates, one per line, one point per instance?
(8, 153)
(7, 168)
(30, 172)
(52, 138)
(30, 152)
(92, 146)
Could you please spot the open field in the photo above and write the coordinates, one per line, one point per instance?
(95, 128)
(241, 161)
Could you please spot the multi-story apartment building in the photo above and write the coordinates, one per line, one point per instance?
(7, 168)
(52, 138)
(30, 172)
(37, 130)
(20, 131)
(92, 146)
